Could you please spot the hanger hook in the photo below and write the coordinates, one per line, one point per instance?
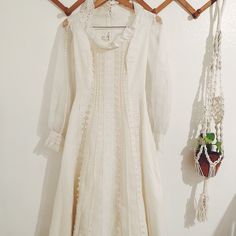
(67, 11)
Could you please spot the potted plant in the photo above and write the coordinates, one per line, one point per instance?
(214, 150)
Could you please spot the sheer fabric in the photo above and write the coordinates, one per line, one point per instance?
(109, 112)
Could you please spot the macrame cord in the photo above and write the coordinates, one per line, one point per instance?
(212, 122)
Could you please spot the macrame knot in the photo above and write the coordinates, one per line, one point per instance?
(202, 209)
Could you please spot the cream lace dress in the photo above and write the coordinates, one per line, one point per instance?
(109, 111)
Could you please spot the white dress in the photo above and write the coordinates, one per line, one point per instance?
(109, 111)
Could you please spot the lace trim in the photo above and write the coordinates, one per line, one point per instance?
(133, 116)
(118, 110)
(80, 161)
(54, 141)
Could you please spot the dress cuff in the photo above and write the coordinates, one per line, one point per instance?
(159, 140)
(54, 141)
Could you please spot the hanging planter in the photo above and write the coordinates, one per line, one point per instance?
(209, 150)
(208, 155)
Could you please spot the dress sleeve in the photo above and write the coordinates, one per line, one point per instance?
(158, 81)
(62, 93)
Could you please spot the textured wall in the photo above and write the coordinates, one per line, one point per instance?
(28, 177)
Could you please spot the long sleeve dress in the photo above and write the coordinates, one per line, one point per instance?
(109, 113)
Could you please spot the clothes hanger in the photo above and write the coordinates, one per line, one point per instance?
(188, 7)
(125, 3)
(69, 10)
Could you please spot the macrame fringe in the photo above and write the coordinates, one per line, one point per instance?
(202, 209)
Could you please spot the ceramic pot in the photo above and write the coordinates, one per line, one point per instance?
(204, 164)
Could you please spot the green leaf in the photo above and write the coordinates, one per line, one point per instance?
(218, 145)
(209, 138)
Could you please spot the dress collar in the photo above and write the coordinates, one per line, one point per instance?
(86, 15)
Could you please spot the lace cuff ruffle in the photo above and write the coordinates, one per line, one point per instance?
(54, 141)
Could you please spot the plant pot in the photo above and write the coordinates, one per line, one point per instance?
(205, 165)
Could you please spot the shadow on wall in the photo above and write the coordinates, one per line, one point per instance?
(227, 225)
(53, 159)
(190, 177)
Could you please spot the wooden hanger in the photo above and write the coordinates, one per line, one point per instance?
(197, 13)
(125, 3)
(98, 3)
(194, 13)
(69, 10)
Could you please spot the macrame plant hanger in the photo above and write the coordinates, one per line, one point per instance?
(209, 152)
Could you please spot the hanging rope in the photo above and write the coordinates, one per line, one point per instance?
(210, 151)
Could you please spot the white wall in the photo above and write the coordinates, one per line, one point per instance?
(28, 175)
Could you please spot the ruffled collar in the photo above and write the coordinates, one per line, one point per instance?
(126, 34)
